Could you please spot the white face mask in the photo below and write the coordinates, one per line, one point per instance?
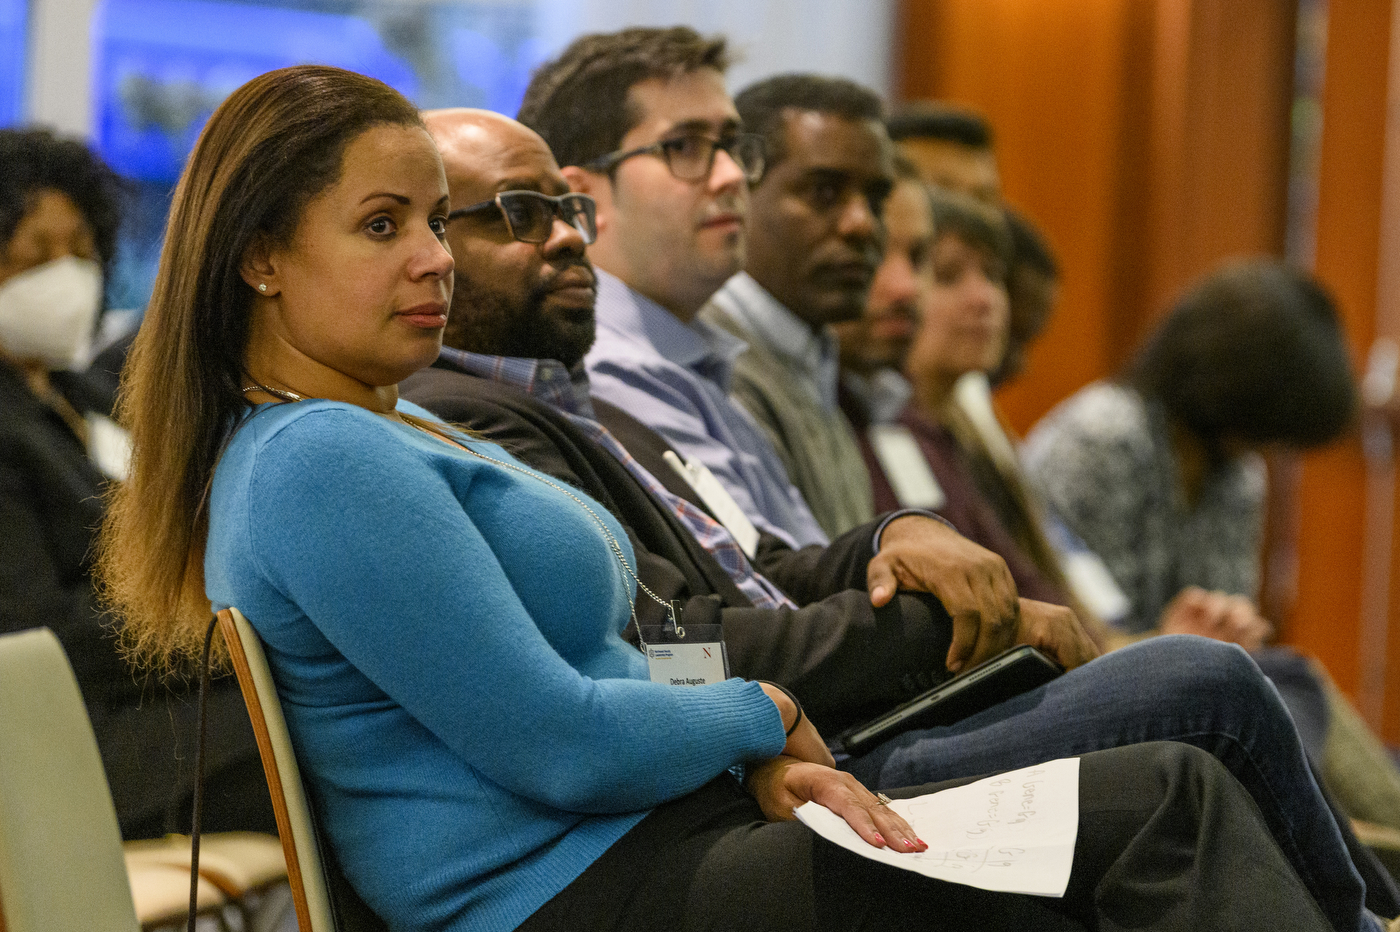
(47, 312)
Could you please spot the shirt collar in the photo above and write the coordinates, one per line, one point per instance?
(814, 353)
(707, 350)
(544, 379)
(883, 396)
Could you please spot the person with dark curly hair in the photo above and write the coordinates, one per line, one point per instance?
(59, 215)
(58, 222)
(1158, 472)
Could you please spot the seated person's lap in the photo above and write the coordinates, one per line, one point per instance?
(1162, 811)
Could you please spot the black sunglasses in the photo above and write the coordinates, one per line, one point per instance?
(529, 215)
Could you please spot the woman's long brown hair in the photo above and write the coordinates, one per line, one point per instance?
(270, 148)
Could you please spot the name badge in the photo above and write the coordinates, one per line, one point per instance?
(717, 498)
(686, 654)
(905, 466)
(1094, 585)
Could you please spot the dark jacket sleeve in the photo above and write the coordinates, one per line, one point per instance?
(844, 659)
(811, 573)
(50, 506)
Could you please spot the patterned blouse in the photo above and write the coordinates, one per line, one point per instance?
(1103, 460)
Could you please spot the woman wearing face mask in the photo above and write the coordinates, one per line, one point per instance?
(58, 225)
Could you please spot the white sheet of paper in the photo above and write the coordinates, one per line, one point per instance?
(1014, 832)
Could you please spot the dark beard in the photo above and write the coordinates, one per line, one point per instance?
(493, 325)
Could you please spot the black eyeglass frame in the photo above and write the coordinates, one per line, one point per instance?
(589, 212)
(753, 173)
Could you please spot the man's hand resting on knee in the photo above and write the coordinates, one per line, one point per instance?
(974, 585)
(1056, 632)
(920, 554)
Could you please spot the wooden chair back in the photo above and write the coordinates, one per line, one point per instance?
(324, 899)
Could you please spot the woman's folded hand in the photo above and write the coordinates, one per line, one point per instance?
(783, 783)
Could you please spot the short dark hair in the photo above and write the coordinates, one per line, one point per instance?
(761, 105)
(928, 119)
(1029, 247)
(579, 102)
(1254, 351)
(974, 222)
(34, 160)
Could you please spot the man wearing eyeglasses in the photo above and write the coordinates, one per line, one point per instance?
(550, 271)
(642, 122)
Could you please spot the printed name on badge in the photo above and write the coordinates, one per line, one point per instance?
(686, 664)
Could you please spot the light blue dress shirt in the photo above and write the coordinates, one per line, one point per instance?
(815, 355)
(674, 377)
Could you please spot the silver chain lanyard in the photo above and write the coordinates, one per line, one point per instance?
(290, 396)
(612, 540)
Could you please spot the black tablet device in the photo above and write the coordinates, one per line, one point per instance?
(1008, 674)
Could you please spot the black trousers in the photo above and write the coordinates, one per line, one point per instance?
(1168, 839)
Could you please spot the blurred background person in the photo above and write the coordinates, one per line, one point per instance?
(951, 147)
(59, 214)
(948, 288)
(1160, 472)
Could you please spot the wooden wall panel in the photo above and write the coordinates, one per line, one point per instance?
(1326, 619)
(1046, 72)
(1218, 179)
(1148, 138)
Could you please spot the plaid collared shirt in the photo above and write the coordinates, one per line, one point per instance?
(567, 392)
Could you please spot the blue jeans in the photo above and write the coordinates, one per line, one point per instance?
(1174, 688)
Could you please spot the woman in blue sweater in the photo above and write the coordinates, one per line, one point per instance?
(444, 623)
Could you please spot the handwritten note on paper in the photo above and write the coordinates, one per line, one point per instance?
(1014, 832)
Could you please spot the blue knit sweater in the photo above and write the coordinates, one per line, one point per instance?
(444, 634)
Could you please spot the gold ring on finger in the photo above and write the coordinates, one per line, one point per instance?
(883, 799)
